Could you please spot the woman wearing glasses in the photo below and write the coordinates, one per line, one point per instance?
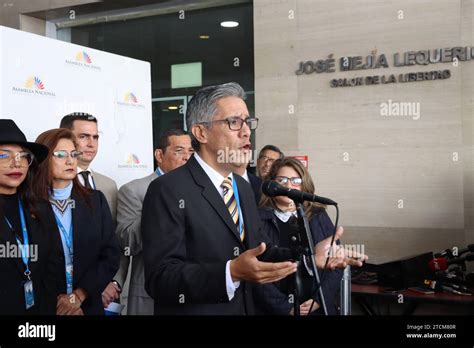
(276, 213)
(83, 227)
(27, 261)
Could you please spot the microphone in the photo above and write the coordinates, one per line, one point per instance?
(450, 253)
(469, 248)
(447, 287)
(446, 253)
(442, 263)
(272, 189)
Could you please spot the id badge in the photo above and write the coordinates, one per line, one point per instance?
(29, 294)
(69, 270)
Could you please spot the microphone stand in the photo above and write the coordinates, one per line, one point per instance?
(302, 245)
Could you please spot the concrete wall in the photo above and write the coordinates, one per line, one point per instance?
(12, 13)
(365, 161)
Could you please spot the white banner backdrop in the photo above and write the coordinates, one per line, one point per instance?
(42, 79)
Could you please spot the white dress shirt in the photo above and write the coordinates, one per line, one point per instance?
(246, 176)
(81, 179)
(217, 180)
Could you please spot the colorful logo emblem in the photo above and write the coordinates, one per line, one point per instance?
(132, 159)
(83, 57)
(34, 83)
(130, 98)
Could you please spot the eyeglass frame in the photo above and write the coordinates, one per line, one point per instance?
(288, 179)
(268, 159)
(16, 158)
(230, 118)
(69, 154)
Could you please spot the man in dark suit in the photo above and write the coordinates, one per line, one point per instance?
(201, 230)
(173, 150)
(268, 154)
(254, 181)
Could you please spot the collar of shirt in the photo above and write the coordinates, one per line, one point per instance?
(79, 169)
(213, 174)
(61, 194)
(81, 179)
(285, 215)
(159, 171)
(246, 176)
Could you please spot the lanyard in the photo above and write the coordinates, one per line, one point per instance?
(25, 247)
(67, 236)
(237, 200)
(158, 171)
(68, 254)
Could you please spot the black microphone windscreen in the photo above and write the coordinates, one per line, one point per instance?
(272, 189)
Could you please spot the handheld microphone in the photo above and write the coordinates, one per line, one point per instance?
(447, 287)
(447, 253)
(450, 253)
(272, 189)
(442, 263)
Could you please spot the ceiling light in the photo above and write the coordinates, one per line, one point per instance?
(204, 37)
(229, 24)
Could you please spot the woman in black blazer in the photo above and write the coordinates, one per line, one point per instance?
(83, 227)
(276, 213)
(26, 284)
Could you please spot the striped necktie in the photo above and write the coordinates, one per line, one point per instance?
(231, 204)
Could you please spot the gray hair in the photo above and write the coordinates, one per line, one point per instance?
(202, 106)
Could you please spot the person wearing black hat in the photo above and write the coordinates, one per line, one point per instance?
(27, 255)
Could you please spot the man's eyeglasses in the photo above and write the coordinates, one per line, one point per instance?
(283, 180)
(267, 159)
(24, 158)
(62, 154)
(236, 123)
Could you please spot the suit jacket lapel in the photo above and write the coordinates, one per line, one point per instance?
(78, 240)
(94, 182)
(212, 196)
(9, 237)
(35, 238)
(245, 208)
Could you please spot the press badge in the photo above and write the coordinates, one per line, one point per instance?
(29, 294)
(69, 269)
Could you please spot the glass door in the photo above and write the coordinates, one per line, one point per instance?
(169, 112)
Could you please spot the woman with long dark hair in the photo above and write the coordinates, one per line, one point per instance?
(27, 258)
(276, 213)
(82, 225)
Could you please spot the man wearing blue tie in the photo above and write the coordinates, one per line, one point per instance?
(173, 150)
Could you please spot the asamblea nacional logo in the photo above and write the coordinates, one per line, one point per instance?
(33, 85)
